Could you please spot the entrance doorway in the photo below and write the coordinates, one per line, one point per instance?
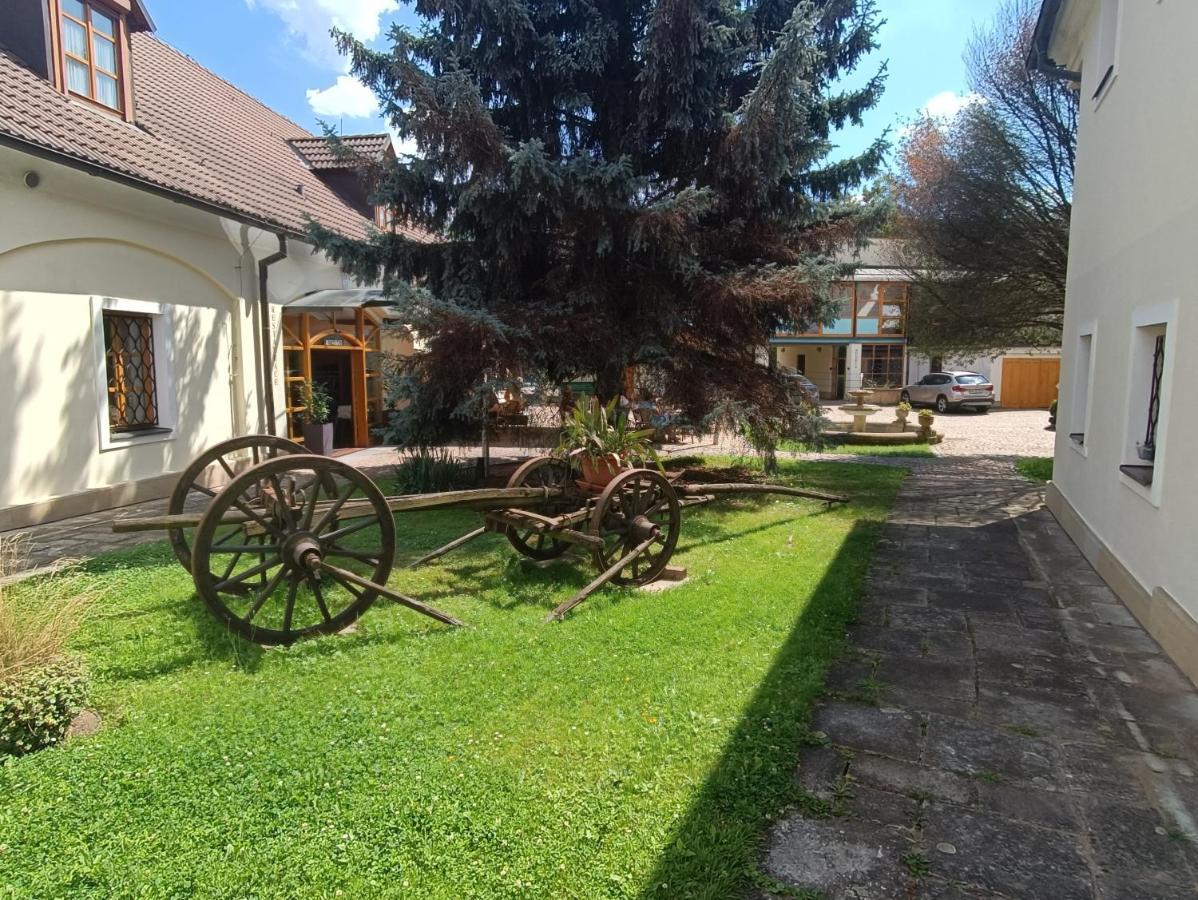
(331, 369)
(842, 356)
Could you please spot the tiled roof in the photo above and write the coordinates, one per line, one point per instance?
(196, 135)
(319, 154)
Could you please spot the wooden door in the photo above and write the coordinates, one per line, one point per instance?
(1029, 383)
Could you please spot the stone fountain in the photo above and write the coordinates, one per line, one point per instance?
(859, 410)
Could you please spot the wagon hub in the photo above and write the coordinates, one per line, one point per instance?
(642, 529)
(303, 551)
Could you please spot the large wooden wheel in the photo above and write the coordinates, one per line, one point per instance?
(542, 471)
(282, 552)
(637, 506)
(221, 461)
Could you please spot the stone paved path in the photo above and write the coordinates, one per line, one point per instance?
(1003, 726)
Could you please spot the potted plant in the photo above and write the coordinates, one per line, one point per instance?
(317, 408)
(925, 422)
(1146, 450)
(603, 443)
(901, 412)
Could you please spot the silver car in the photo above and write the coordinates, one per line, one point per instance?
(805, 385)
(951, 390)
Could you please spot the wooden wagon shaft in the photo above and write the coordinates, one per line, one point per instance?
(474, 499)
(691, 490)
(452, 545)
(345, 575)
(541, 525)
(603, 579)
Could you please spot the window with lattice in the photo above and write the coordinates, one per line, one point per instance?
(129, 357)
(1154, 391)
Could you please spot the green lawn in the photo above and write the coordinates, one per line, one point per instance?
(1037, 468)
(913, 451)
(636, 750)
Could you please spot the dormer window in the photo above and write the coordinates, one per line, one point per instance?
(91, 52)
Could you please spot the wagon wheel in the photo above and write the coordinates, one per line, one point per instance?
(220, 459)
(305, 511)
(542, 471)
(634, 507)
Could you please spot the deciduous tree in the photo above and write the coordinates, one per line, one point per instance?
(984, 202)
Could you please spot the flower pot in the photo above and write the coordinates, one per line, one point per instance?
(597, 471)
(900, 416)
(318, 438)
(1146, 452)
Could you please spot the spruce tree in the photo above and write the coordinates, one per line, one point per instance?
(608, 183)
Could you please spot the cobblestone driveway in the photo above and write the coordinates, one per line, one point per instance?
(1002, 728)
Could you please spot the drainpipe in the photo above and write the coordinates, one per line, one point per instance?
(268, 381)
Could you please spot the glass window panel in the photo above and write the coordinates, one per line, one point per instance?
(868, 294)
(74, 8)
(79, 78)
(103, 24)
(105, 54)
(107, 91)
(74, 37)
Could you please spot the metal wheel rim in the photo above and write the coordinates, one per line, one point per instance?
(306, 610)
(262, 446)
(541, 471)
(643, 488)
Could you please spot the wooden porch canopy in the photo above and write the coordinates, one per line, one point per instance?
(336, 320)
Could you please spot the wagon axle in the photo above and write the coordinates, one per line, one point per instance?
(296, 545)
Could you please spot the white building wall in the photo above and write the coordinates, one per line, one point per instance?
(1134, 229)
(77, 241)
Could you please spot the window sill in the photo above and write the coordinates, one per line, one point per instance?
(123, 439)
(1141, 475)
(1078, 438)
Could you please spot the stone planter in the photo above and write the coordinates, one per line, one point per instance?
(318, 438)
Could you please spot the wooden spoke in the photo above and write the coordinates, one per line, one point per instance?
(190, 490)
(543, 471)
(637, 508)
(287, 550)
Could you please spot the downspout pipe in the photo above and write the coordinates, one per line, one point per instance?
(264, 335)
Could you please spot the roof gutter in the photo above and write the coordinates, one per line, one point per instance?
(264, 335)
(148, 187)
(1038, 59)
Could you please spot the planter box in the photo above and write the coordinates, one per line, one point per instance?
(318, 438)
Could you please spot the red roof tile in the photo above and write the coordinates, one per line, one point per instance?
(319, 154)
(196, 135)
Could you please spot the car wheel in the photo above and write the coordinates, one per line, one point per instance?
(942, 404)
(905, 397)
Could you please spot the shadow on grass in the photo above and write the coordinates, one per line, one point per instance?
(715, 850)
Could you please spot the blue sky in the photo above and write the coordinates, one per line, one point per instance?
(279, 51)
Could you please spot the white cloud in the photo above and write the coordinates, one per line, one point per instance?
(308, 23)
(346, 97)
(947, 104)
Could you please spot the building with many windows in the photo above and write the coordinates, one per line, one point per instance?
(866, 344)
(1122, 484)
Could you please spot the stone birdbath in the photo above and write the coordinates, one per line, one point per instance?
(859, 410)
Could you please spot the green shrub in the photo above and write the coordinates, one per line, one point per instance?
(38, 704)
(428, 470)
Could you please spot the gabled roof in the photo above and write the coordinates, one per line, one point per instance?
(197, 138)
(320, 154)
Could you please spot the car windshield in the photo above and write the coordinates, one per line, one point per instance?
(970, 379)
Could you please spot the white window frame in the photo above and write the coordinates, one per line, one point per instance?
(164, 372)
(1082, 405)
(1154, 315)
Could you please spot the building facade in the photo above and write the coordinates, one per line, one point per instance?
(152, 235)
(1122, 485)
(866, 344)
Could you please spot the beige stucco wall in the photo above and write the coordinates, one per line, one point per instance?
(1134, 229)
(76, 238)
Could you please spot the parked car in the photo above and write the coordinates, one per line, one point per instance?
(951, 390)
(805, 385)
